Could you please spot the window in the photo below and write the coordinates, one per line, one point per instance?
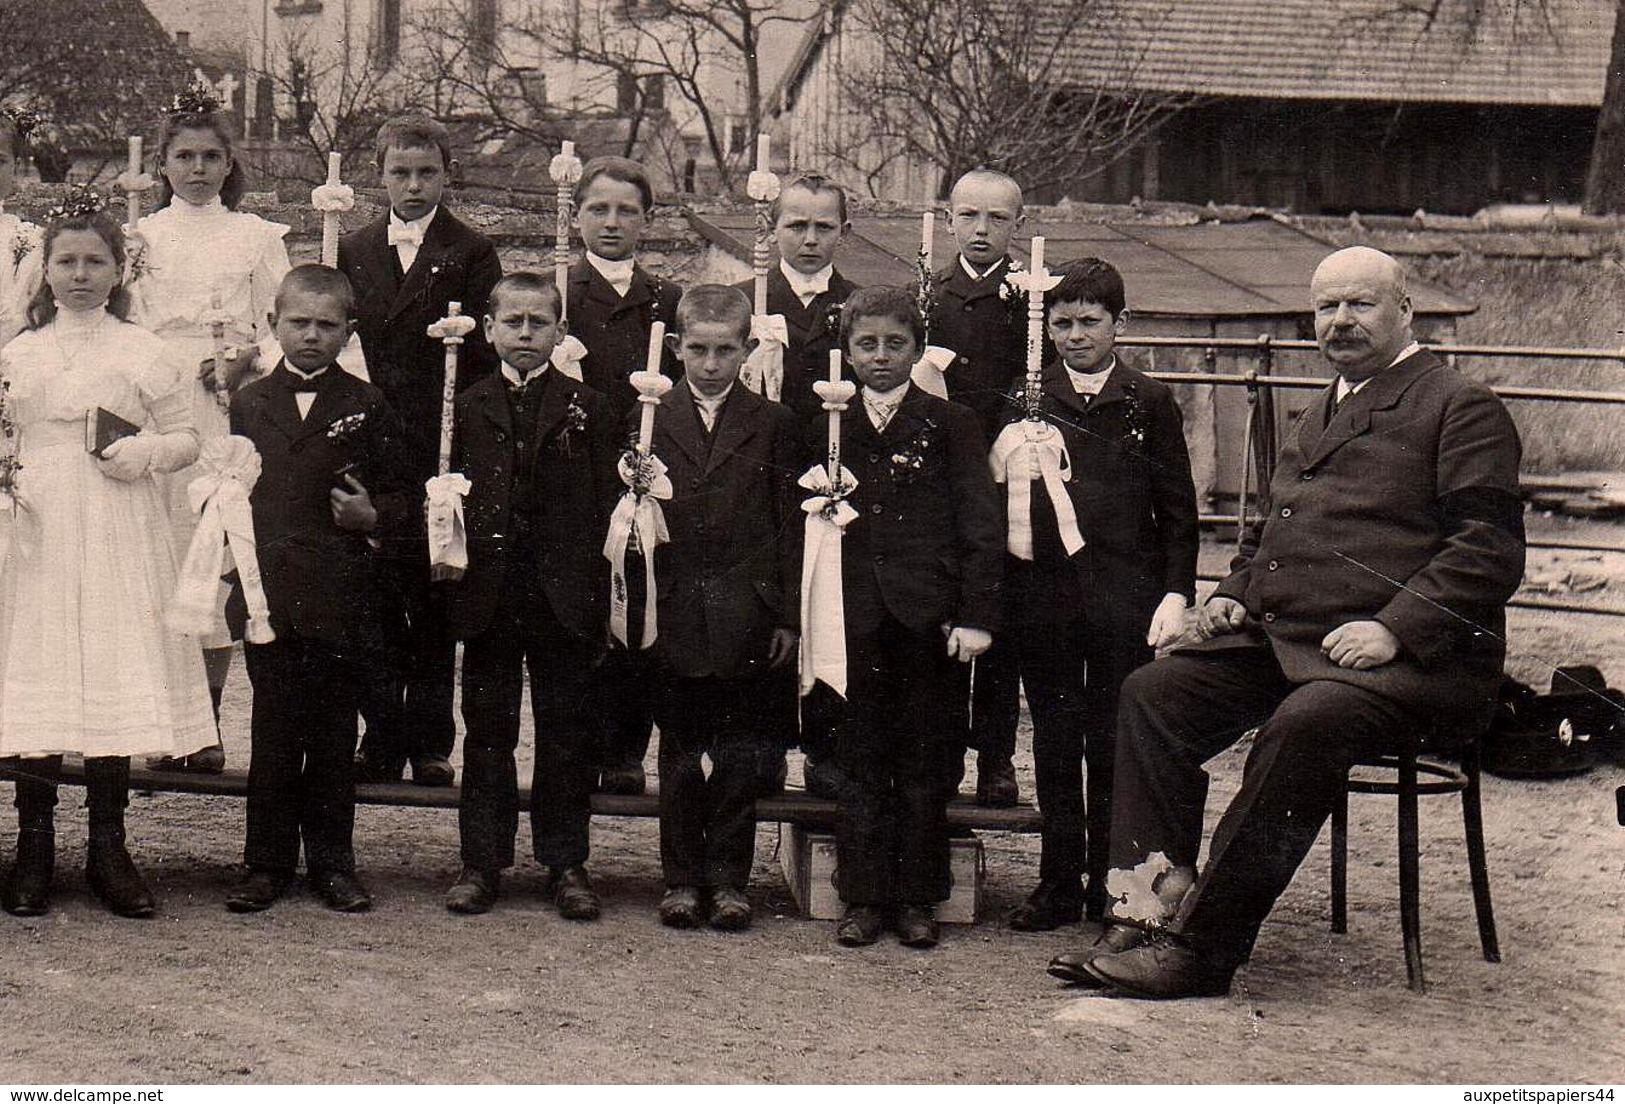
(482, 28)
(386, 32)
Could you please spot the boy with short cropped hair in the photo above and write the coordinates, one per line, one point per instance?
(332, 482)
(728, 582)
(540, 450)
(1080, 623)
(613, 302)
(406, 267)
(921, 577)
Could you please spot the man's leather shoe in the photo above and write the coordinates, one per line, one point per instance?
(1051, 905)
(820, 779)
(917, 926)
(1162, 970)
(730, 909)
(113, 877)
(1069, 966)
(258, 890)
(432, 770)
(27, 888)
(573, 894)
(996, 782)
(860, 927)
(680, 907)
(474, 891)
(627, 779)
(341, 891)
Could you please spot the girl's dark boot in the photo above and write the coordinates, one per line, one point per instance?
(26, 890)
(108, 867)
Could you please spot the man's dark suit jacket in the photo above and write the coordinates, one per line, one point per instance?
(320, 579)
(813, 330)
(574, 486)
(988, 332)
(1131, 490)
(928, 543)
(454, 264)
(615, 329)
(731, 573)
(1403, 510)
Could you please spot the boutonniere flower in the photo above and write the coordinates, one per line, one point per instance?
(9, 463)
(346, 427)
(909, 460)
(575, 424)
(1136, 415)
(1009, 291)
(21, 247)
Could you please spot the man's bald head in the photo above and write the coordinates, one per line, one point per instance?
(1362, 311)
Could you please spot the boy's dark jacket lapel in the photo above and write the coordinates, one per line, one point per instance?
(954, 282)
(736, 424)
(597, 289)
(437, 239)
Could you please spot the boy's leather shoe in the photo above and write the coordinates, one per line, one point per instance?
(730, 909)
(474, 892)
(627, 779)
(820, 779)
(113, 878)
(341, 891)
(1069, 966)
(211, 760)
(860, 927)
(1162, 970)
(372, 768)
(27, 888)
(917, 926)
(432, 770)
(573, 894)
(680, 907)
(1051, 905)
(996, 782)
(258, 890)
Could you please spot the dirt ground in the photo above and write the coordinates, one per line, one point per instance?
(412, 993)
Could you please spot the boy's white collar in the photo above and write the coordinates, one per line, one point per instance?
(611, 270)
(421, 223)
(802, 284)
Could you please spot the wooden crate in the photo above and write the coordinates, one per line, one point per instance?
(808, 858)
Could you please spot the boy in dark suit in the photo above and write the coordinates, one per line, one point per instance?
(728, 582)
(613, 302)
(809, 223)
(540, 451)
(1080, 622)
(332, 482)
(984, 321)
(406, 267)
(921, 570)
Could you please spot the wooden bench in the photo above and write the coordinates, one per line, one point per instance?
(791, 808)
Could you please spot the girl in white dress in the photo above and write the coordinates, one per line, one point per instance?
(86, 664)
(19, 240)
(199, 255)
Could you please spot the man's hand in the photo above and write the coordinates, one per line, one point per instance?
(354, 512)
(782, 648)
(1221, 615)
(966, 644)
(1168, 623)
(1360, 645)
(239, 366)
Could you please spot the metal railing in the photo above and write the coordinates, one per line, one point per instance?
(1260, 447)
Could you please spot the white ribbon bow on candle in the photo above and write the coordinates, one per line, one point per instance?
(224, 534)
(641, 512)
(929, 373)
(128, 181)
(443, 509)
(567, 357)
(763, 370)
(335, 198)
(823, 614)
(762, 186)
(1026, 450)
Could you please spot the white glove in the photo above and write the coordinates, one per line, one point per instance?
(129, 458)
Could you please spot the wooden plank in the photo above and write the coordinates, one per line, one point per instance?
(790, 808)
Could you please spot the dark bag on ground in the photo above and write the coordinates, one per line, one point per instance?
(1568, 730)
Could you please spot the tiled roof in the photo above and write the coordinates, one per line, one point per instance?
(1259, 268)
(1535, 52)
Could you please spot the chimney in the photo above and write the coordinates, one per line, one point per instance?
(183, 40)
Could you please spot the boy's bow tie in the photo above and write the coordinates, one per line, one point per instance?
(405, 235)
(297, 382)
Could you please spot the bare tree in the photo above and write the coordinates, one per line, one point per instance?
(1605, 178)
(964, 83)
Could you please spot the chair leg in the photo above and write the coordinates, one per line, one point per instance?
(1340, 862)
(1410, 905)
(1472, 815)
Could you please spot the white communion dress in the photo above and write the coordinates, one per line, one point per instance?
(86, 663)
(19, 271)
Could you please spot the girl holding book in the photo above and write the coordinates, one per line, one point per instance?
(86, 665)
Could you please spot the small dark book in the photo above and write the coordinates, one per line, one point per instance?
(103, 427)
